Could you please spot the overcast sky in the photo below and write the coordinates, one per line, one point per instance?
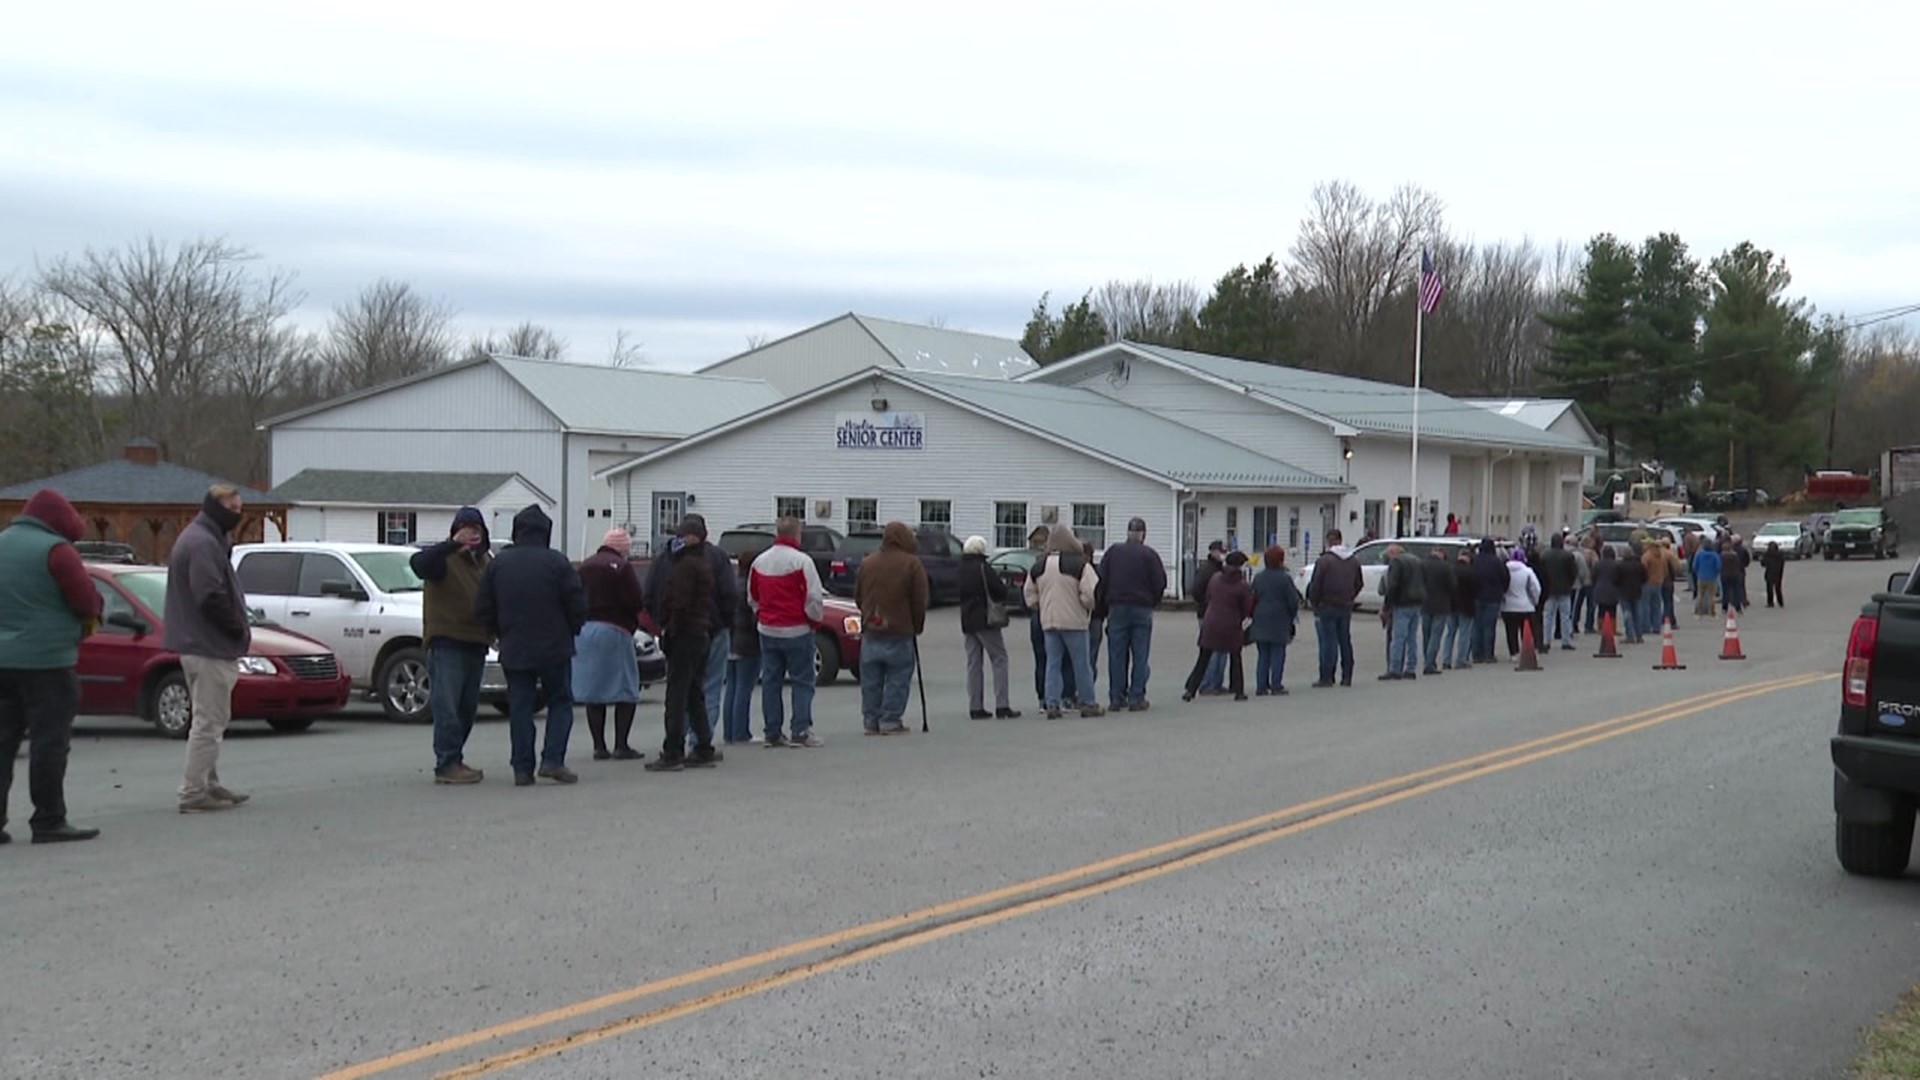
(754, 167)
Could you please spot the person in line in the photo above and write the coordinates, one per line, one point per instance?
(980, 588)
(743, 662)
(686, 617)
(1632, 575)
(1403, 592)
(1276, 618)
(1517, 608)
(48, 605)
(1453, 526)
(1706, 580)
(1606, 587)
(1061, 588)
(1037, 543)
(788, 602)
(1583, 561)
(1559, 579)
(1436, 610)
(1203, 576)
(1676, 566)
(1459, 647)
(206, 623)
(532, 603)
(1773, 567)
(1223, 632)
(1332, 592)
(1491, 578)
(1135, 580)
(1657, 567)
(457, 641)
(726, 597)
(892, 592)
(1734, 558)
(604, 668)
(1097, 623)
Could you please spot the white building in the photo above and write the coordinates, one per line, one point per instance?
(852, 343)
(551, 424)
(371, 506)
(1561, 416)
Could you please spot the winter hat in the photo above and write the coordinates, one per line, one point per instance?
(1216, 546)
(692, 525)
(619, 540)
(1237, 559)
(976, 545)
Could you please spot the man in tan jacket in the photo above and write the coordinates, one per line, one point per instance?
(1061, 588)
(892, 592)
(1663, 569)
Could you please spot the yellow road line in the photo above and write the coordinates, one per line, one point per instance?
(1000, 895)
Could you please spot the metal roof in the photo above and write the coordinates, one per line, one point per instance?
(1541, 413)
(1146, 441)
(397, 489)
(597, 398)
(938, 350)
(129, 483)
(1368, 406)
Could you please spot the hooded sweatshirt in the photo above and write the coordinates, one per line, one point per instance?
(1061, 586)
(206, 609)
(450, 574)
(891, 588)
(1523, 586)
(531, 599)
(46, 596)
(1490, 575)
(1336, 581)
(686, 604)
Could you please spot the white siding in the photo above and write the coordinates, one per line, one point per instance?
(359, 525)
(1216, 509)
(1382, 468)
(1219, 412)
(1570, 426)
(969, 460)
(809, 359)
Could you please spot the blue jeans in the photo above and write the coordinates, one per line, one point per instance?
(1652, 609)
(1486, 622)
(1129, 641)
(524, 685)
(1666, 603)
(1583, 608)
(1560, 624)
(1433, 633)
(1269, 666)
(886, 679)
(783, 659)
(1630, 618)
(714, 686)
(453, 673)
(1039, 637)
(1066, 647)
(1403, 648)
(1335, 632)
(1216, 674)
(1460, 640)
(742, 673)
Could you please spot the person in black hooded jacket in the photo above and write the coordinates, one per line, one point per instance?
(532, 602)
(1490, 588)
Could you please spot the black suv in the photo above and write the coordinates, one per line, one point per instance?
(1865, 530)
(752, 539)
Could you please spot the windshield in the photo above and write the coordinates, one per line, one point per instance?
(390, 570)
(149, 587)
(1857, 517)
(1779, 529)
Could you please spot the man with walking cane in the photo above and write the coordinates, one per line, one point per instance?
(892, 593)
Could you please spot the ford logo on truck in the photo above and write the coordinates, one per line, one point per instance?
(1894, 714)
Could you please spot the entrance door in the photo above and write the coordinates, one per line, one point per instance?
(1373, 514)
(668, 508)
(1189, 543)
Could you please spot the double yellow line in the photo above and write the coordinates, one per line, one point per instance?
(870, 941)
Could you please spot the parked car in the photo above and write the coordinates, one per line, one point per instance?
(1863, 530)
(836, 642)
(1792, 537)
(939, 552)
(106, 551)
(1691, 523)
(1619, 534)
(286, 679)
(1373, 563)
(818, 541)
(1013, 566)
(1876, 753)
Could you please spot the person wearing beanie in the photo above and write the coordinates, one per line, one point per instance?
(725, 601)
(684, 609)
(206, 623)
(1223, 631)
(981, 588)
(1135, 580)
(47, 606)
(604, 670)
(450, 573)
(531, 602)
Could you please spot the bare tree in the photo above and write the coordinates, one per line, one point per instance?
(529, 339)
(937, 322)
(1494, 296)
(1154, 314)
(173, 319)
(278, 368)
(757, 341)
(388, 332)
(1351, 256)
(624, 352)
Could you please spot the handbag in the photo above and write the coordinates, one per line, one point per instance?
(997, 616)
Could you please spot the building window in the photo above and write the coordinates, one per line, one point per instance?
(396, 527)
(1009, 524)
(936, 514)
(789, 506)
(1266, 526)
(1293, 527)
(1090, 524)
(1233, 528)
(863, 515)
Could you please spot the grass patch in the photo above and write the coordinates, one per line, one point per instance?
(1893, 1043)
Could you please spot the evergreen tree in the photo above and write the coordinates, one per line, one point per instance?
(1590, 356)
(1246, 317)
(1670, 296)
(1757, 382)
(1049, 338)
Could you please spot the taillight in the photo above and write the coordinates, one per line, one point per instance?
(1858, 677)
(839, 567)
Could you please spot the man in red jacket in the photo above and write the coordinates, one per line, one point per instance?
(784, 590)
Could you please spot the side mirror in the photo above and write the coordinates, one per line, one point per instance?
(128, 621)
(346, 590)
(1897, 583)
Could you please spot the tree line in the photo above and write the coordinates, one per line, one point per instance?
(193, 345)
(1711, 368)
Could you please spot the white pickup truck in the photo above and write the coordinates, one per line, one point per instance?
(362, 601)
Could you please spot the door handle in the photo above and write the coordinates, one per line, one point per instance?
(299, 612)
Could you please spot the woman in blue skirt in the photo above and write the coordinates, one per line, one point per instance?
(605, 670)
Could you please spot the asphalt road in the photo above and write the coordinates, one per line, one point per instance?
(1489, 874)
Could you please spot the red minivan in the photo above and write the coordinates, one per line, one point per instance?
(287, 680)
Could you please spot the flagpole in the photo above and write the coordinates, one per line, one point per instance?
(1419, 320)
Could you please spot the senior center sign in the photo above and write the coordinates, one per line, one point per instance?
(880, 431)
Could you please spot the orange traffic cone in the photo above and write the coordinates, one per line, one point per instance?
(1609, 649)
(1730, 645)
(1529, 656)
(1669, 656)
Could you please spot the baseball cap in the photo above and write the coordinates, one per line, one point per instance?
(1217, 546)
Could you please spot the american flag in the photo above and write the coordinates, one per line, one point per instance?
(1430, 285)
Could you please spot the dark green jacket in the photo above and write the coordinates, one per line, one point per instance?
(39, 629)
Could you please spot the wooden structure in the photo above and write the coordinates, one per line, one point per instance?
(139, 500)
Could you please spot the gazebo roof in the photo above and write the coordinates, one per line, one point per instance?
(121, 482)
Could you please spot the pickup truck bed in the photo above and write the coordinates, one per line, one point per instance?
(1876, 754)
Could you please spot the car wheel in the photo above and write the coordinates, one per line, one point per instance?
(1880, 850)
(826, 659)
(403, 687)
(169, 706)
(290, 725)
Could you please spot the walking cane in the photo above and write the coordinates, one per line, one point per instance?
(921, 676)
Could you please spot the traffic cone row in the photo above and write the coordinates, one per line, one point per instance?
(1669, 656)
(1730, 644)
(1609, 648)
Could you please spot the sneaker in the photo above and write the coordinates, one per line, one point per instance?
(773, 742)
(1431, 671)
(1092, 711)
(559, 774)
(979, 714)
(1323, 684)
(523, 779)
(1239, 697)
(1390, 676)
(627, 753)
(1566, 646)
(1262, 692)
(894, 729)
(458, 773)
(695, 761)
(1279, 691)
(870, 730)
(205, 804)
(1053, 714)
(663, 764)
(808, 741)
(227, 794)
(1006, 714)
(1139, 706)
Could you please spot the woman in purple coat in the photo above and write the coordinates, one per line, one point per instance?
(1223, 628)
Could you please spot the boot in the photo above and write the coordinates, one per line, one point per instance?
(623, 730)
